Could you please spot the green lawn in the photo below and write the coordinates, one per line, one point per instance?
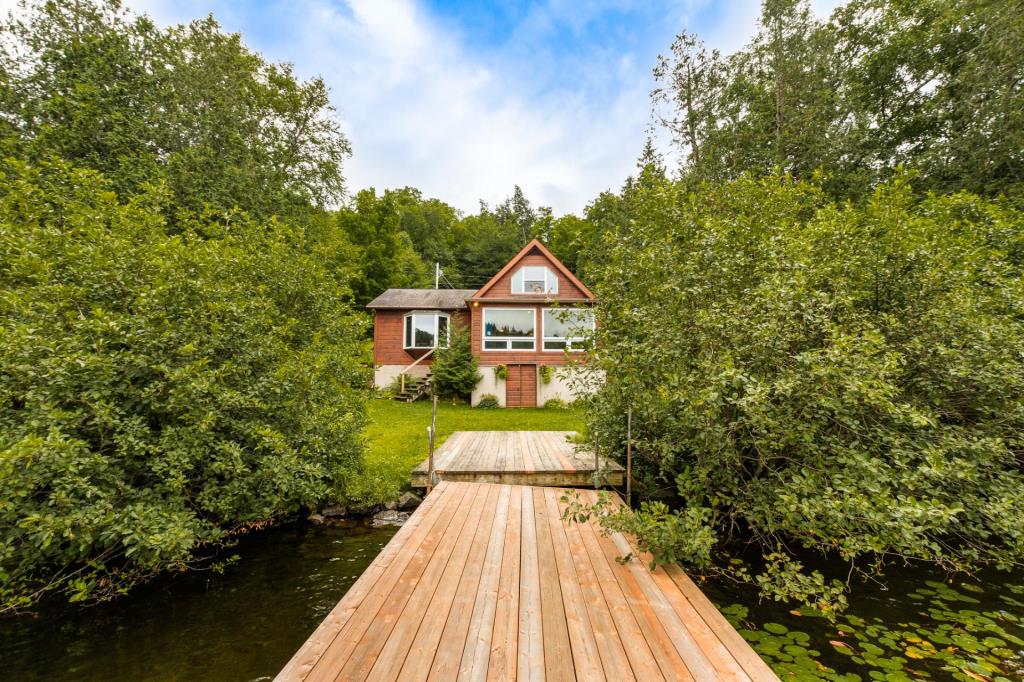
(396, 438)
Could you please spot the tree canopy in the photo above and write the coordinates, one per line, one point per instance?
(933, 85)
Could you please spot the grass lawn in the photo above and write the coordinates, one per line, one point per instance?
(396, 438)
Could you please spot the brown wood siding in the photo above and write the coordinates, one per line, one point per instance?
(388, 341)
(505, 357)
(503, 287)
(521, 386)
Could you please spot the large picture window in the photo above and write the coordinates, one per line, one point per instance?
(567, 328)
(426, 330)
(510, 329)
(534, 279)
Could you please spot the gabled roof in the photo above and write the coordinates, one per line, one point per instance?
(534, 244)
(408, 299)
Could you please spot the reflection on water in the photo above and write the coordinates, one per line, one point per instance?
(242, 625)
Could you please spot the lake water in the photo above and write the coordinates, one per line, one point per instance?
(246, 623)
(242, 625)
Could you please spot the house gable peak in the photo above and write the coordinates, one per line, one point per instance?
(535, 246)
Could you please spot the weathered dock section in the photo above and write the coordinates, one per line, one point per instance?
(545, 458)
(485, 581)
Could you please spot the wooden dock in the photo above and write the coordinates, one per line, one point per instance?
(485, 581)
(517, 458)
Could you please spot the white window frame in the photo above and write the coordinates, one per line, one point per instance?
(519, 281)
(507, 339)
(423, 313)
(568, 341)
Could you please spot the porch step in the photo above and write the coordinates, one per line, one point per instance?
(415, 388)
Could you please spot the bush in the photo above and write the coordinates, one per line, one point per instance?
(556, 404)
(158, 391)
(488, 401)
(500, 372)
(546, 372)
(817, 377)
(454, 371)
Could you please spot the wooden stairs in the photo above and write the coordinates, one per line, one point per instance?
(414, 389)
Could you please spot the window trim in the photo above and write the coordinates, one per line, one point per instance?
(544, 338)
(507, 339)
(422, 313)
(519, 280)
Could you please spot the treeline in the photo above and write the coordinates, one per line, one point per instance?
(818, 323)
(405, 235)
(934, 85)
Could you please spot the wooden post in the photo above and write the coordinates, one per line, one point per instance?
(431, 430)
(629, 457)
(597, 464)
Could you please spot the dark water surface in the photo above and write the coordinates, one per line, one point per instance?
(919, 625)
(241, 625)
(246, 623)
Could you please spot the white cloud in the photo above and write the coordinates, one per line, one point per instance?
(423, 109)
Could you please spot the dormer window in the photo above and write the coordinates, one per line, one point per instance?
(534, 279)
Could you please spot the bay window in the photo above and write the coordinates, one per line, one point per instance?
(567, 328)
(426, 330)
(509, 329)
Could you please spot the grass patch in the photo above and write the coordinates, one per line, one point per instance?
(396, 439)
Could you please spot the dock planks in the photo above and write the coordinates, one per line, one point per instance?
(487, 582)
(545, 458)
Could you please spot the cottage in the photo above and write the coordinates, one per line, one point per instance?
(529, 316)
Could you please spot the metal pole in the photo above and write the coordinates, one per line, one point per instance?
(597, 464)
(437, 275)
(629, 457)
(430, 459)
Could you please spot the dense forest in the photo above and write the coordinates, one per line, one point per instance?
(816, 317)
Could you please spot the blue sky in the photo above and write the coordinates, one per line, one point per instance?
(466, 99)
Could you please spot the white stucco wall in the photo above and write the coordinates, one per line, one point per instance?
(559, 387)
(383, 375)
(488, 384)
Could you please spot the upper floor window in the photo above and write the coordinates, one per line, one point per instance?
(567, 329)
(426, 330)
(534, 279)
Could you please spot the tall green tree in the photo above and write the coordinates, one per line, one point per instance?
(936, 85)
(386, 255)
(930, 84)
(189, 105)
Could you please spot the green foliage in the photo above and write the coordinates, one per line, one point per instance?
(936, 632)
(159, 391)
(188, 105)
(925, 83)
(556, 404)
(387, 257)
(501, 372)
(842, 379)
(454, 370)
(546, 372)
(488, 401)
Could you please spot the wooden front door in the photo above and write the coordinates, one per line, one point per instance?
(521, 386)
